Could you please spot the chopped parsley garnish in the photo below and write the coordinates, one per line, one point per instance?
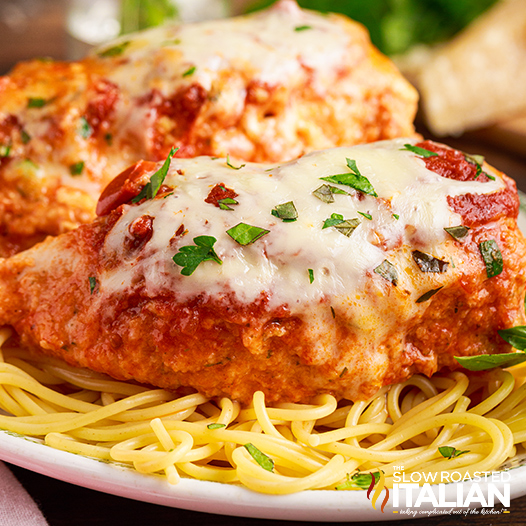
(428, 263)
(354, 179)
(311, 275)
(325, 193)
(263, 460)
(419, 151)
(457, 232)
(343, 372)
(228, 163)
(396, 216)
(429, 294)
(150, 190)
(302, 28)
(388, 271)
(84, 129)
(492, 257)
(190, 256)
(114, 51)
(5, 150)
(76, 168)
(223, 203)
(36, 102)
(359, 481)
(246, 234)
(92, 284)
(286, 212)
(24, 136)
(450, 452)
(215, 426)
(367, 216)
(189, 71)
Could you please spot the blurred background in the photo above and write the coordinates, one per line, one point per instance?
(466, 57)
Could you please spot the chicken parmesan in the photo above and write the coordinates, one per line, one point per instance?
(265, 88)
(339, 272)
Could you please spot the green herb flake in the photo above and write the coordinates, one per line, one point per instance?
(215, 426)
(84, 129)
(36, 102)
(388, 271)
(490, 361)
(302, 28)
(354, 179)
(428, 295)
(396, 216)
(343, 372)
(5, 150)
(458, 233)
(24, 137)
(190, 256)
(92, 284)
(263, 460)
(311, 275)
(150, 190)
(334, 220)
(516, 336)
(223, 203)
(492, 257)
(450, 452)
(428, 263)
(189, 72)
(333, 312)
(359, 481)
(367, 216)
(228, 163)
(422, 152)
(108, 137)
(76, 168)
(246, 234)
(114, 51)
(286, 212)
(325, 193)
(344, 226)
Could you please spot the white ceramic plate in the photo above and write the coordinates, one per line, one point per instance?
(212, 497)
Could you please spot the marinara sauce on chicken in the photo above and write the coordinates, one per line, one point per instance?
(340, 272)
(265, 88)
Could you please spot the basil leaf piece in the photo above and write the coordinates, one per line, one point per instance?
(334, 220)
(24, 136)
(451, 452)
(114, 51)
(223, 203)
(189, 72)
(286, 212)
(228, 163)
(325, 193)
(419, 151)
(5, 150)
(347, 227)
(263, 460)
(516, 336)
(149, 191)
(36, 102)
(76, 168)
(246, 234)
(367, 216)
(429, 294)
(490, 361)
(388, 271)
(84, 129)
(457, 232)
(92, 284)
(215, 426)
(302, 28)
(354, 179)
(477, 160)
(428, 263)
(359, 481)
(492, 257)
(189, 257)
(311, 275)
(396, 216)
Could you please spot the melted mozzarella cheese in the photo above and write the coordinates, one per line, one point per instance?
(278, 263)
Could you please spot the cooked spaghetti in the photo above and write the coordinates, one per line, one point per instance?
(282, 449)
